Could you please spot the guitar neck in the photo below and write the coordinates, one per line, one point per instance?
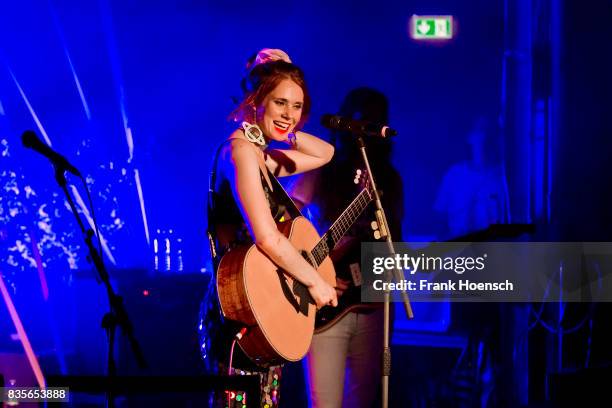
(340, 226)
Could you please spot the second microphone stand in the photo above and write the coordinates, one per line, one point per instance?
(117, 315)
(381, 219)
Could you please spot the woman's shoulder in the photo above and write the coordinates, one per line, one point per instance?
(236, 146)
(236, 153)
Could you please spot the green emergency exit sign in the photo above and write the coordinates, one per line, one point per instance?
(431, 27)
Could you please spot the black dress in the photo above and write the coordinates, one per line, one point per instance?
(227, 230)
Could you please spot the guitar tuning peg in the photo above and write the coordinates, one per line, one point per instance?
(356, 180)
(374, 225)
(358, 172)
(376, 234)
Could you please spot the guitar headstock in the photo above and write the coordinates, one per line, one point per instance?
(362, 180)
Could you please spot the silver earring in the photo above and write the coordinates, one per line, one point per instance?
(253, 133)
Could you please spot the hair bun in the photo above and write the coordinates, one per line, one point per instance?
(268, 55)
(256, 67)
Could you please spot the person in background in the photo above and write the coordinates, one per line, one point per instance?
(474, 193)
(343, 366)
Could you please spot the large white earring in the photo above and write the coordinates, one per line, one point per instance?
(253, 133)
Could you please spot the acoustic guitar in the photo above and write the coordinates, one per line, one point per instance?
(276, 310)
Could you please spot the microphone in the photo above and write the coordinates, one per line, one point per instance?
(30, 140)
(356, 126)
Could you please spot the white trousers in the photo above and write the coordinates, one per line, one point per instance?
(343, 366)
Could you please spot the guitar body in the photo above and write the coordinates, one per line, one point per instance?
(276, 310)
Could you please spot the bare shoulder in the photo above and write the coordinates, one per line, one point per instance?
(237, 148)
(238, 156)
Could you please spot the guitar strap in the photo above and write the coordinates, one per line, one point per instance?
(284, 198)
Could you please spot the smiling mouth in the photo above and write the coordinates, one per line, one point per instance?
(281, 127)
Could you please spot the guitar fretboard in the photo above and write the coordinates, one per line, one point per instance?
(340, 226)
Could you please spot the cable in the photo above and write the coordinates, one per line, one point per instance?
(237, 337)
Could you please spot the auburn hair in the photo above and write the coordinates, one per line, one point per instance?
(262, 79)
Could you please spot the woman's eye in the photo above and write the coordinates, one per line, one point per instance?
(279, 103)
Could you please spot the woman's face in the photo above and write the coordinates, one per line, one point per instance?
(281, 110)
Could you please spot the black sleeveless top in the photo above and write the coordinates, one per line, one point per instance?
(223, 213)
(226, 230)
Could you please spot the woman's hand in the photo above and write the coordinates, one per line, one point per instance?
(323, 293)
(309, 153)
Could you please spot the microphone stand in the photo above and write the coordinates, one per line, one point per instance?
(398, 275)
(117, 315)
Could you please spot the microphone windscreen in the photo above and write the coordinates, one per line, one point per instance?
(388, 132)
(29, 138)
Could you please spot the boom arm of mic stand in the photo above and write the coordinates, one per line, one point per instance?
(386, 357)
(118, 314)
